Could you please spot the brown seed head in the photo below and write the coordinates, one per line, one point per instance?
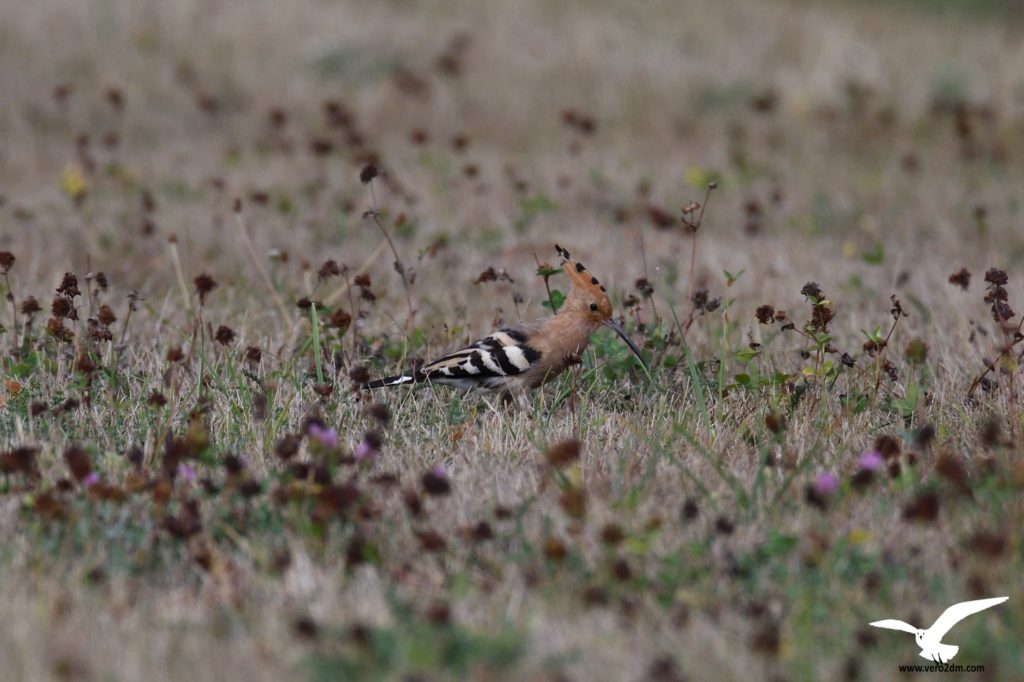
(253, 355)
(78, 462)
(563, 454)
(69, 286)
(62, 307)
(106, 316)
(225, 336)
(961, 278)
(765, 314)
(30, 306)
(996, 277)
(368, 173)
(204, 285)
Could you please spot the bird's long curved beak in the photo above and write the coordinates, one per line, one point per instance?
(617, 328)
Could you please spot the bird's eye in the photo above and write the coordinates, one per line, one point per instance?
(593, 306)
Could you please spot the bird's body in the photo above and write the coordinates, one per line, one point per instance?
(529, 354)
(930, 640)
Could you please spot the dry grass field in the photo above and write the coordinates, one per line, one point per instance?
(193, 487)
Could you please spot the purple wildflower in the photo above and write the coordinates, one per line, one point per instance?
(186, 473)
(326, 437)
(826, 483)
(870, 460)
(92, 479)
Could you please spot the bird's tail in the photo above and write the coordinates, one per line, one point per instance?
(394, 381)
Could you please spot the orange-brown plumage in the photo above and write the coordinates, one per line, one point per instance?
(529, 354)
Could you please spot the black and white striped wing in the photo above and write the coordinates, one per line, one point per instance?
(488, 363)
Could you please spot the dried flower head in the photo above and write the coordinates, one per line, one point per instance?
(996, 277)
(85, 364)
(253, 355)
(997, 296)
(563, 454)
(340, 320)
(204, 285)
(887, 446)
(660, 218)
(369, 447)
(63, 308)
(78, 462)
(961, 278)
(69, 286)
(359, 375)
(916, 352)
(329, 269)
(225, 336)
(30, 306)
(923, 508)
(106, 316)
(287, 447)
(812, 290)
(368, 173)
(379, 412)
(493, 275)
(435, 481)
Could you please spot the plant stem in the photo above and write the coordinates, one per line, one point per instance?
(14, 308)
(398, 261)
(316, 342)
(547, 288)
(991, 366)
(180, 275)
(282, 309)
(881, 352)
(694, 229)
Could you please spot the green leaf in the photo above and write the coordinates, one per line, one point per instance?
(316, 343)
(779, 544)
(908, 403)
(730, 278)
(547, 271)
(637, 545)
(393, 351)
(557, 299)
(876, 256)
(417, 339)
(23, 369)
(746, 354)
(875, 335)
(538, 204)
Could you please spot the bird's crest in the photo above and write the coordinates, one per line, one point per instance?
(580, 277)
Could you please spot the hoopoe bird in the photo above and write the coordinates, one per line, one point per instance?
(529, 354)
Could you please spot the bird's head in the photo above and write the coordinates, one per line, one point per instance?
(588, 301)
